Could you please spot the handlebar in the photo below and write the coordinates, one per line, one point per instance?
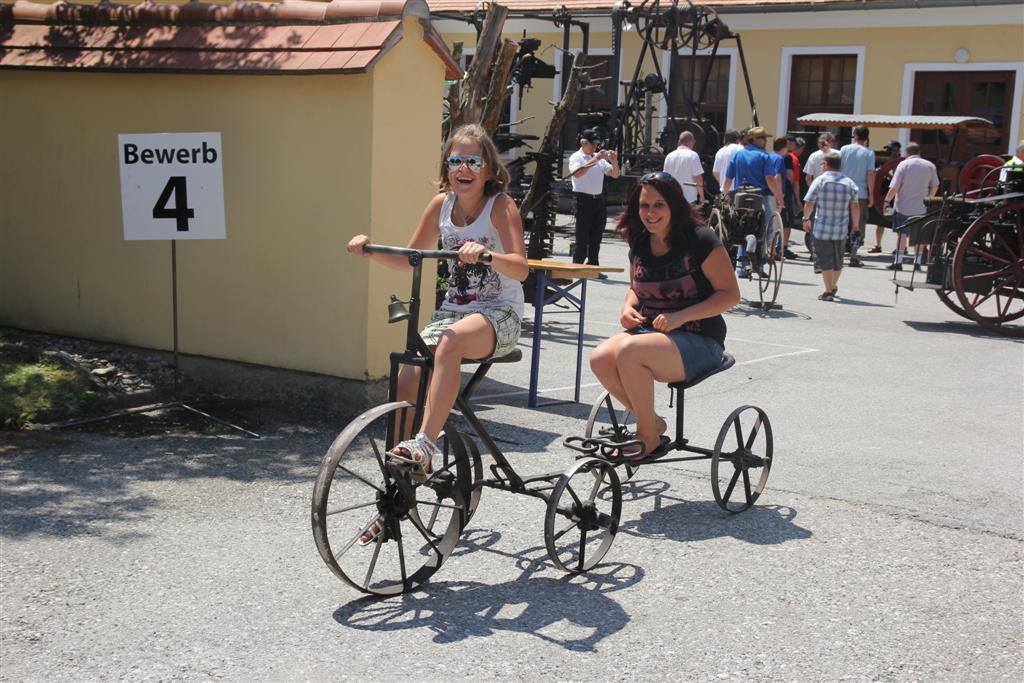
(418, 253)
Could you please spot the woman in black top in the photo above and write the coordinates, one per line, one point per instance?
(681, 281)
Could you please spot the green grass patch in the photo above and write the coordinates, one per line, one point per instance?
(41, 390)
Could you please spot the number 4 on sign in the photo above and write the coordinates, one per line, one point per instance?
(181, 212)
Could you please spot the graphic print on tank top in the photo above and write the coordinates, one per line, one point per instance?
(664, 288)
(469, 282)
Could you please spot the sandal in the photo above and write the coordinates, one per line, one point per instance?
(418, 452)
(373, 530)
(826, 296)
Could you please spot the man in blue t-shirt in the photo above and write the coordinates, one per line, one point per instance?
(752, 165)
(859, 166)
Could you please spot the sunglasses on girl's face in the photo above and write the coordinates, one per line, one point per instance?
(474, 162)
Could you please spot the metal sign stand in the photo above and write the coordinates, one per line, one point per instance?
(175, 401)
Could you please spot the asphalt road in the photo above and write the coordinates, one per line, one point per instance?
(887, 546)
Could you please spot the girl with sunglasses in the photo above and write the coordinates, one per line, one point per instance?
(481, 314)
(681, 281)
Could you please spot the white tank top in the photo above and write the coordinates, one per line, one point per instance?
(472, 287)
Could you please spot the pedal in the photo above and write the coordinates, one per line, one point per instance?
(581, 444)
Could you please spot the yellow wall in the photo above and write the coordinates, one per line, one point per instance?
(308, 162)
(886, 52)
(403, 163)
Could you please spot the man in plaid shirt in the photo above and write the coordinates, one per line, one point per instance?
(832, 200)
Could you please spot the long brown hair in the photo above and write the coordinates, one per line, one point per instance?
(474, 133)
(684, 218)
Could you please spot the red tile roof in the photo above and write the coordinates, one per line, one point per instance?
(293, 36)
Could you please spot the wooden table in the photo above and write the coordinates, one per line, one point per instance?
(548, 292)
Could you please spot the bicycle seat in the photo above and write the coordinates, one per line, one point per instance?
(514, 357)
(727, 362)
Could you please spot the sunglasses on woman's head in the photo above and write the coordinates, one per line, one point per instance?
(657, 175)
(474, 162)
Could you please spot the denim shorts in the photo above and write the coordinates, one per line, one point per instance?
(700, 354)
(899, 222)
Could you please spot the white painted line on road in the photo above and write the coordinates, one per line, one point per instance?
(784, 346)
(541, 391)
(778, 355)
(801, 351)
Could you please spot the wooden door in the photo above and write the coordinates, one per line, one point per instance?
(988, 94)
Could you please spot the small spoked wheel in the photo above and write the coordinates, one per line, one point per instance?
(610, 420)
(583, 515)
(421, 521)
(768, 287)
(741, 459)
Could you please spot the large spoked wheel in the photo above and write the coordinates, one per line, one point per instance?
(988, 269)
(976, 178)
(768, 287)
(717, 223)
(609, 420)
(741, 459)
(422, 520)
(583, 515)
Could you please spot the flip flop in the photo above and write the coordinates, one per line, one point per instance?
(661, 449)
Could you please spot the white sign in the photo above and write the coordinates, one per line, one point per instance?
(172, 186)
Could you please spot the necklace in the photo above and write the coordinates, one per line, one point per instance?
(470, 217)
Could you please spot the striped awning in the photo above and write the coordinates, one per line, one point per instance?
(888, 121)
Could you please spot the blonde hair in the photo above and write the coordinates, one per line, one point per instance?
(474, 133)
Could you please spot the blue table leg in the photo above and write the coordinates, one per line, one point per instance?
(579, 338)
(539, 294)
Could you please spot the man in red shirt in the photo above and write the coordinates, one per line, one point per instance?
(794, 148)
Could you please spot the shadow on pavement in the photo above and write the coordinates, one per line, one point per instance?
(970, 329)
(688, 521)
(744, 309)
(534, 605)
(67, 485)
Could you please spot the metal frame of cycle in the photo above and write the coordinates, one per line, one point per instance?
(424, 519)
(731, 222)
(611, 429)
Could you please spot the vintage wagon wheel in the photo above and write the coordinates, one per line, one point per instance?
(708, 31)
(768, 288)
(583, 515)
(422, 520)
(750, 456)
(717, 223)
(635, 149)
(942, 248)
(974, 176)
(883, 179)
(988, 268)
(609, 420)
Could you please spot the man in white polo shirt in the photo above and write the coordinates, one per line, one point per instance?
(684, 165)
(724, 155)
(588, 167)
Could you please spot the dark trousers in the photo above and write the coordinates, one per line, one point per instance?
(590, 222)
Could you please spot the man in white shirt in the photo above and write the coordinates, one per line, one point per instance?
(722, 157)
(588, 167)
(684, 165)
(914, 180)
(815, 165)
